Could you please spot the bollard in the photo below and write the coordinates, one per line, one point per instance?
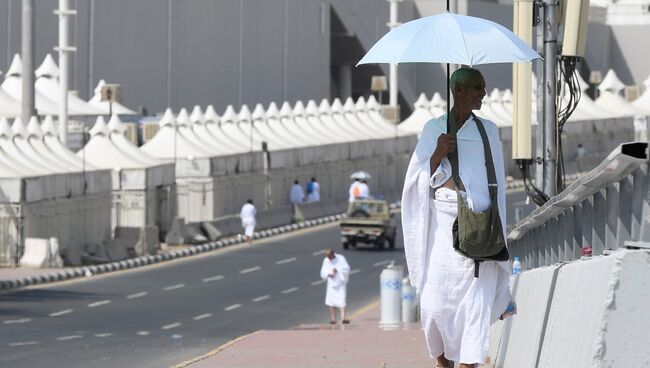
(409, 302)
(390, 282)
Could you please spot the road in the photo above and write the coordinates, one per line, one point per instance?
(160, 315)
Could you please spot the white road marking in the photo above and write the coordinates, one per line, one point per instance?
(170, 326)
(105, 334)
(287, 260)
(137, 295)
(60, 313)
(379, 264)
(202, 316)
(97, 304)
(232, 307)
(290, 290)
(144, 333)
(214, 278)
(260, 298)
(318, 282)
(173, 287)
(16, 321)
(69, 337)
(24, 343)
(356, 270)
(252, 269)
(318, 253)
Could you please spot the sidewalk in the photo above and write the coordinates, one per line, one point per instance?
(361, 344)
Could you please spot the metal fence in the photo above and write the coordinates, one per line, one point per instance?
(604, 210)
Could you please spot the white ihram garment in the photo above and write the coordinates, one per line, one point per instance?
(247, 215)
(314, 196)
(335, 295)
(457, 309)
(296, 195)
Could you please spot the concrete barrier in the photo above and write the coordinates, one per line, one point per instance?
(532, 291)
(587, 313)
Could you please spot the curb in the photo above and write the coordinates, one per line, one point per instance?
(87, 271)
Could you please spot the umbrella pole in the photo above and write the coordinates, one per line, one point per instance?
(448, 101)
(448, 108)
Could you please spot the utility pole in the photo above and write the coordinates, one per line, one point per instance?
(27, 45)
(393, 82)
(550, 93)
(64, 12)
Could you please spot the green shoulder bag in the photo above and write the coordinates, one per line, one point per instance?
(477, 235)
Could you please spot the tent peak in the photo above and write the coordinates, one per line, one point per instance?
(48, 68)
(115, 125)
(211, 115)
(34, 128)
(100, 128)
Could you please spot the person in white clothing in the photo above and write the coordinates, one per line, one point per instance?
(336, 271)
(247, 216)
(313, 191)
(456, 307)
(296, 195)
(364, 190)
(354, 190)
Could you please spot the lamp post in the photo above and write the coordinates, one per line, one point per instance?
(393, 83)
(64, 12)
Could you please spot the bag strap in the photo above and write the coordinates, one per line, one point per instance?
(493, 186)
(487, 152)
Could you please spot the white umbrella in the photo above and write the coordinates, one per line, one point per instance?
(450, 38)
(361, 175)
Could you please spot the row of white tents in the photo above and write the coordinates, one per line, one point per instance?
(206, 134)
(47, 93)
(497, 105)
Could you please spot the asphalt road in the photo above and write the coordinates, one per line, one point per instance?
(160, 315)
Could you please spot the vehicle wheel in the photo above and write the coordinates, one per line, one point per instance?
(380, 244)
(391, 243)
(346, 245)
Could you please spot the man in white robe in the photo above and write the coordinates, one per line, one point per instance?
(354, 191)
(313, 191)
(247, 216)
(336, 271)
(456, 308)
(296, 195)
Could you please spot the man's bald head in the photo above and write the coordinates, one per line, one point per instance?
(329, 253)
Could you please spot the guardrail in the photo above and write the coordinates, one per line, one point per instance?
(604, 210)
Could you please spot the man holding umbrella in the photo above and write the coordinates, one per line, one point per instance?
(458, 305)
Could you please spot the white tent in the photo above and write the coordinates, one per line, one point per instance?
(169, 143)
(419, 117)
(350, 111)
(48, 85)
(282, 124)
(211, 122)
(9, 106)
(610, 98)
(105, 106)
(438, 105)
(142, 185)
(13, 86)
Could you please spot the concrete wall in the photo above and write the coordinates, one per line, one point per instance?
(582, 314)
(78, 215)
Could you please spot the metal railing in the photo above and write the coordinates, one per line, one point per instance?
(604, 210)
